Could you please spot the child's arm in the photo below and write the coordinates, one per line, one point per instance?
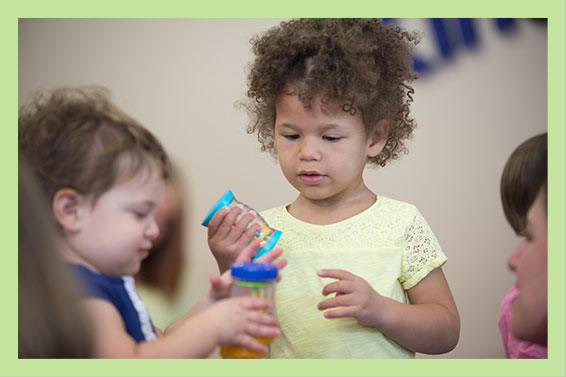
(220, 285)
(430, 324)
(231, 321)
(219, 290)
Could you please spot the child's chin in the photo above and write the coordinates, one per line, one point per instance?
(134, 269)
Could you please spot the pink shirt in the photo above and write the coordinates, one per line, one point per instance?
(515, 348)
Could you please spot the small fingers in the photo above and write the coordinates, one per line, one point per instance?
(223, 281)
(251, 343)
(270, 256)
(338, 287)
(262, 331)
(336, 274)
(215, 281)
(280, 264)
(249, 251)
(221, 223)
(333, 302)
(216, 220)
(243, 226)
(253, 303)
(262, 318)
(340, 313)
(239, 233)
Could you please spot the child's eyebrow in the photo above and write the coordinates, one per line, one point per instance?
(326, 127)
(148, 203)
(331, 126)
(287, 125)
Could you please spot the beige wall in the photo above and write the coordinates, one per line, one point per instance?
(181, 77)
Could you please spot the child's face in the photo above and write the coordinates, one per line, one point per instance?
(116, 233)
(529, 262)
(321, 154)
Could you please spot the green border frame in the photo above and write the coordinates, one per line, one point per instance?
(554, 10)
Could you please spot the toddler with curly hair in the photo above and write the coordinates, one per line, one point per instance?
(328, 97)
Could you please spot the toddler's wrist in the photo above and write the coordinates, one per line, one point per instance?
(379, 317)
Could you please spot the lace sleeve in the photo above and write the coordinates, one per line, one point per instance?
(421, 254)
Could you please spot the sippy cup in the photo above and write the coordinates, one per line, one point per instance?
(255, 279)
(268, 236)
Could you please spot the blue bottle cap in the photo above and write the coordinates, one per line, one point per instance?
(253, 271)
(223, 201)
(269, 244)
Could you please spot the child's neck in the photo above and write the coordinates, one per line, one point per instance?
(331, 211)
(68, 255)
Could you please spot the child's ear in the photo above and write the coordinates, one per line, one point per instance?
(378, 138)
(67, 209)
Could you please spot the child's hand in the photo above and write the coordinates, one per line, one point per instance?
(270, 256)
(355, 297)
(220, 285)
(240, 319)
(227, 238)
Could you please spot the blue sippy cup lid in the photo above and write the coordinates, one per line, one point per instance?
(223, 201)
(253, 271)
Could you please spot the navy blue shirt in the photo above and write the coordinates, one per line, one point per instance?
(121, 293)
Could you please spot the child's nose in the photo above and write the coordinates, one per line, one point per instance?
(514, 258)
(152, 230)
(309, 150)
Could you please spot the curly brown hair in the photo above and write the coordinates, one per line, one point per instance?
(77, 138)
(354, 64)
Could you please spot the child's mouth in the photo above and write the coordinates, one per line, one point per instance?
(143, 253)
(311, 178)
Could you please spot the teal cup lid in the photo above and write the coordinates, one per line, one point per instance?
(223, 201)
(269, 244)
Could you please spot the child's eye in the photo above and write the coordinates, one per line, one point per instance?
(291, 136)
(140, 215)
(527, 236)
(332, 139)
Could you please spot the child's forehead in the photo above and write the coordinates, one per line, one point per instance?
(319, 123)
(140, 176)
(315, 103)
(291, 106)
(135, 166)
(130, 187)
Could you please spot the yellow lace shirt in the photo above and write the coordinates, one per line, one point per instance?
(390, 245)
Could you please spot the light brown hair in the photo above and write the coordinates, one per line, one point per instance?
(77, 138)
(350, 64)
(163, 268)
(50, 321)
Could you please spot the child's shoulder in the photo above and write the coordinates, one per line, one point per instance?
(394, 210)
(274, 210)
(388, 205)
(96, 284)
(276, 214)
